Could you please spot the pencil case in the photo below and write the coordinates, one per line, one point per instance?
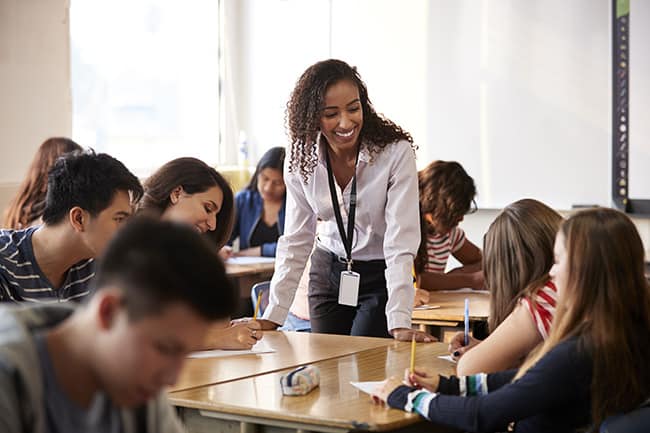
(301, 380)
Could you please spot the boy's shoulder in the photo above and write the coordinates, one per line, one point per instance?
(15, 242)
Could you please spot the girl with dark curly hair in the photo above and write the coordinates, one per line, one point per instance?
(446, 195)
(354, 170)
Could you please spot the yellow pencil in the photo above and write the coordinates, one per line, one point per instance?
(412, 369)
(257, 305)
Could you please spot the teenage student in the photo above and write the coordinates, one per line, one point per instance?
(446, 195)
(26, 208)
(103, 367)
(89, 196)
(189, 191)
(517, 256)
(594, 363)
(260, 208)
(355, 171)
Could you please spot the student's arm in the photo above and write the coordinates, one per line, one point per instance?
(504, 348)
(560, 380)
(468, 275)
(239, 336)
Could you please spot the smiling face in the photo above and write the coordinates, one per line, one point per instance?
(199, 210)
(342, 116)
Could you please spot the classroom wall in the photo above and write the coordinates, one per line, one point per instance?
(34, 82)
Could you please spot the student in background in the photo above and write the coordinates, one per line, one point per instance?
(260, 208)
(104, 366)
(26, 208)
(89, 196)
(594, 363)
(189, 191)
(517, 256)
(446, 195)
(338, 139)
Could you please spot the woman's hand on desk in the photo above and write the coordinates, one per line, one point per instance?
(252, 252)
(456, 348)
(406, 334)
(225, 252)
(381, 393)
(235, 337)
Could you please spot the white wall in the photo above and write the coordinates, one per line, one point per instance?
(34, 82)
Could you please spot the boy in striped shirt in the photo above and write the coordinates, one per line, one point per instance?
(89, 196)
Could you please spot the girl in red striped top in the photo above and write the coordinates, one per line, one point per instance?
(518, 254)
(446, 195)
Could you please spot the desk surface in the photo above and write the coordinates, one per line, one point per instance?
(452, 307)
(292, 349)
(239, 270)
(335, 403)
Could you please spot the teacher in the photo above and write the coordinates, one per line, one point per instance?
(355, 171)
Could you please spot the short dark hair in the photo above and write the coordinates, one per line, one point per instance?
(272, 158)
(88, 180)
(157, 263)
(195, 176)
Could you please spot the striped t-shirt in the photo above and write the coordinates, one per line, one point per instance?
(544, 309)
(439, 247)
(21, 279)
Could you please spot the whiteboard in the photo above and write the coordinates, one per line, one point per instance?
(519, 93)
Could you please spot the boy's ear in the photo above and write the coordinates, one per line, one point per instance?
(78, 218)
(110, 303)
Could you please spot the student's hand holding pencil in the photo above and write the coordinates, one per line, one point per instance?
(457, 347)
(239, 336)
(422, 377)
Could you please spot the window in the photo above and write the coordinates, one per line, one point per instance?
(145, 79)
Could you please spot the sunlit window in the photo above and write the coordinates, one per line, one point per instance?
(145, 79)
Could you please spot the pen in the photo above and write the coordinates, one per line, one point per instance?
(466, 321)
(412, 367)
(257, 305)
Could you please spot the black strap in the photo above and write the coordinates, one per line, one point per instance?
(347, 240)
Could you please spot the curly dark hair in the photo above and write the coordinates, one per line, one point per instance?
(447, 193)
(304, 110)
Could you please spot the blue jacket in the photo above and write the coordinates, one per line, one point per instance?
(249, 206)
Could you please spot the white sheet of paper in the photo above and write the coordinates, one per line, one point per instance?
(447, 358)
(258, 349)
(426, 307)
(367, 387)
(249, 260)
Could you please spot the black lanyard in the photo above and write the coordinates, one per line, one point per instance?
(347, 240)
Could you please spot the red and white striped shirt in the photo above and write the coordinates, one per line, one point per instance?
(439, 247)
(543, 309)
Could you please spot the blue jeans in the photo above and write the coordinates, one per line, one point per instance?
(295, 323)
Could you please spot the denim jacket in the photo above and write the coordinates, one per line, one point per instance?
(249, 211)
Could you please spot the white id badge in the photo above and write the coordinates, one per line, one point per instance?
(349, 288)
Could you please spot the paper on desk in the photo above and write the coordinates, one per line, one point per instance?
(258, 349)
(464, 290)
(447, 358)
(426, 307)
(368, 387)
(249, 260)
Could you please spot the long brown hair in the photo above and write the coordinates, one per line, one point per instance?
(304, 110)
(195, 176)
(517, 255)
(606, 306)
(28, 204)
(446, 192)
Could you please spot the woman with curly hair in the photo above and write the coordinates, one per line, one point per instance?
(355, 171)
(446, 195)
(26, 209)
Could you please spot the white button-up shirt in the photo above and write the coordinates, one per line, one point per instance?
(386, 226)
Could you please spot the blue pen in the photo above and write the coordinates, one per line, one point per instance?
(466, 321)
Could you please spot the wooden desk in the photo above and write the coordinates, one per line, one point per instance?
(292, 349)
(245, 276)
(452, 310)
(256, 404)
